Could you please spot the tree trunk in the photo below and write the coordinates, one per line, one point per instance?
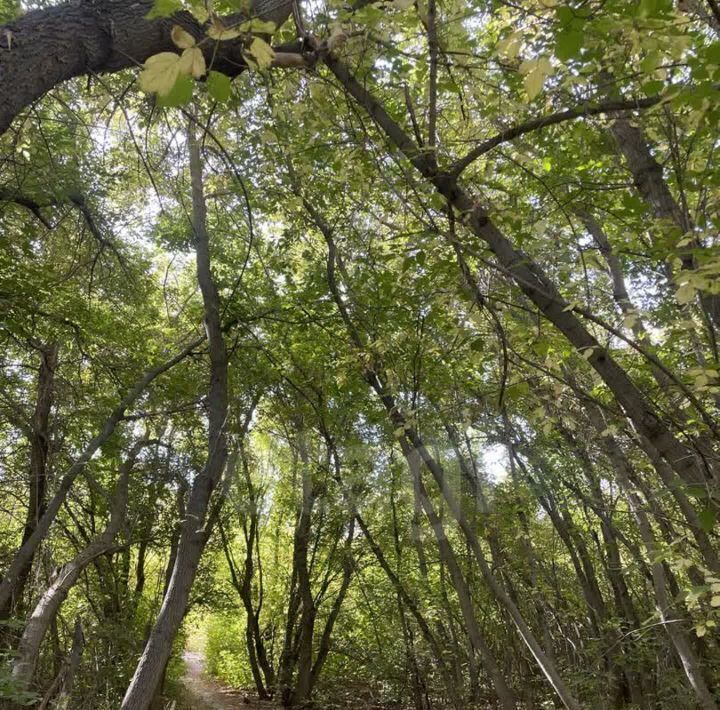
(39, 452)
(46, 609)
(46, 47)
(193, 535)
(534, 283)
(26, 552)
(669, 620)
(61, 689)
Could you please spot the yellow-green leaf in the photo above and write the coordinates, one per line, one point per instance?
(160, 72)
(180, 94)
(685, 294)
(536, 71)
(181, 38)
(630, 320)
(258, 26)
(510, 46)
(193, 62)
(199, 11)
(259, 54)
(218, 31)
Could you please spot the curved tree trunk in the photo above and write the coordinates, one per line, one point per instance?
(46, 47)
(26, 552)
(46, 609)
(535, 284)
(416, 453)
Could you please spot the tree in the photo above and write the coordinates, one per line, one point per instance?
(418, 304)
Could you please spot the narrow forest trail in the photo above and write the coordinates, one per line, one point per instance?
(203, 693)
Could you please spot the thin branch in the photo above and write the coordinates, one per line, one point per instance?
(550, 120)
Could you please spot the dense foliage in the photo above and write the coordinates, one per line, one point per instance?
(383, 366)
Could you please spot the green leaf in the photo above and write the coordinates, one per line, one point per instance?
(712, 53)
(219, 86)
(535, 71)
(707, 519)
(652, 88)
(180, 94)
(696, 491)
(164, 8)
(565, 14)
(568, 44)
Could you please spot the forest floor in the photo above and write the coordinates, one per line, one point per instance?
(200, 692)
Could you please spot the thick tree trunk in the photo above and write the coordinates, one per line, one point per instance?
(193, 537)
(46, 47)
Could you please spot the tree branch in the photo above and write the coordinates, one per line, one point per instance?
(552, 119)
(45, 47)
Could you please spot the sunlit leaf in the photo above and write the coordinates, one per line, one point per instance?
(181, 38)
(164, 8)
(160, 73)
(217, 30)
(259, 54)
(193, 62)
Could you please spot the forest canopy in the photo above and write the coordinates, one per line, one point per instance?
(365, 351)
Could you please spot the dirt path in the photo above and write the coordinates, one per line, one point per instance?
(204, 693)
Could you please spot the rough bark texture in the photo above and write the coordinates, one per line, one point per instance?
(46, 47)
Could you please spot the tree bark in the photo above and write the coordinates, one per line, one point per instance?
(663, 603)
(26, 552)
(414, 445)
(45, 47)
(66, 677)
(651, 184)
(302, 686)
